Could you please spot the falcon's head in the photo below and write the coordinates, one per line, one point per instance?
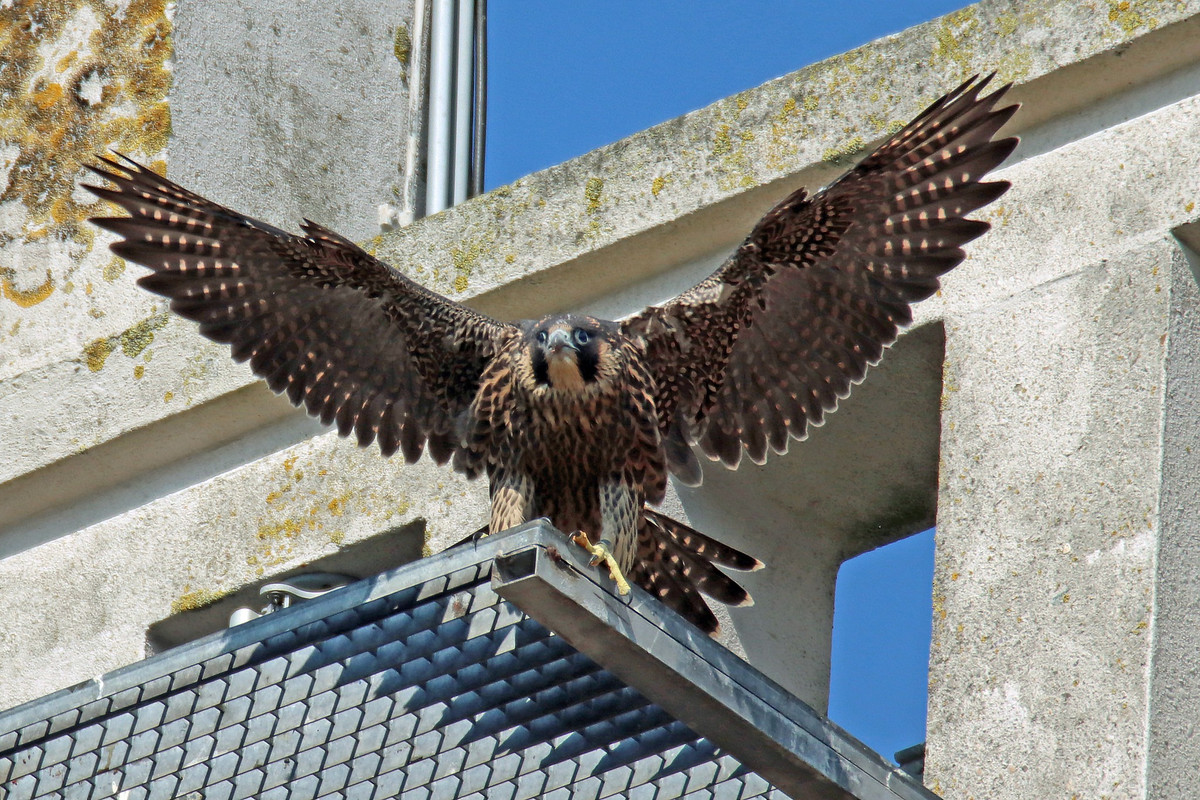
(571, 352)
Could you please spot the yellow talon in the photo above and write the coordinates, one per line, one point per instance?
(601, 554)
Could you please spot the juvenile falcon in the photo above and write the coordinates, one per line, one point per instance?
(574, 418)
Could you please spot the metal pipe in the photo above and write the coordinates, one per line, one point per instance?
(479, 115)
(463, 56)
(412, 201)
(441, 88)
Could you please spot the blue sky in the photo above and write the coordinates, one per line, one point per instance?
(566, 78)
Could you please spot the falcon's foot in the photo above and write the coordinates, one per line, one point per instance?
(602, 554)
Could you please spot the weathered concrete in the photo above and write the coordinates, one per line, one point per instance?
(1044, 587)
(326, 134)
(1174, 698)
(1063, 432)
(76, 341)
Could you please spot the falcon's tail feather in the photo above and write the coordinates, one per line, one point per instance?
(703, 545)
(676, 563)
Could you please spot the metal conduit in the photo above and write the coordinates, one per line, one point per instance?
(463, 81)
(441, 108)
(479, 118)
(457, 103)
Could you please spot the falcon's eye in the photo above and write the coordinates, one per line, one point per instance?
(541, 337)
(581, 337)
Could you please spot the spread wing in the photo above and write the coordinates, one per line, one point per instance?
(769, 342)
(343, 334)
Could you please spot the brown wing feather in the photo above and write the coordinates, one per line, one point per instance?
(768, 343)
(354, 341)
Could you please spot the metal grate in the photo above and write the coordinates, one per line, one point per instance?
(420, 683)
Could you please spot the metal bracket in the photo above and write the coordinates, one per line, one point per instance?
(282, 594)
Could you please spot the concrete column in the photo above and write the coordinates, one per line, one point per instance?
(1064, 595)
(1173, 757)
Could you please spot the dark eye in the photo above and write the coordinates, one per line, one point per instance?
(541, 337)
(581, 337)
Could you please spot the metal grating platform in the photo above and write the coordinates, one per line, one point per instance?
(424, 683)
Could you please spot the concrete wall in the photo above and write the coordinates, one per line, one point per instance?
(1041, 409)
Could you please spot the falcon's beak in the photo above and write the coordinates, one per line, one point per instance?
(558, 341)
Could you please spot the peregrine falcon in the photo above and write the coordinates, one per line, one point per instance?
(571, 417)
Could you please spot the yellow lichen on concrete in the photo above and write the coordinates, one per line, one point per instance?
(133, 341)
(723, 143)
(1132, 16)
(138, 337)
(79, 77)
(464, 259)
(28, 297)
(195, 374)
(956, 36)
(788, 129)
(294, 513)
(998, 215)
(1015, 65)
(844, 151)
(191, 599)
(113, 269)
(593, 192)
(402, 44)
(97, 352)
(733, 165)
(402, 49)
(789, 110)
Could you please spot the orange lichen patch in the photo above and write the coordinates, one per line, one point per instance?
(28, 297)
(288, 528)
(47, 96)
(80, 77)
